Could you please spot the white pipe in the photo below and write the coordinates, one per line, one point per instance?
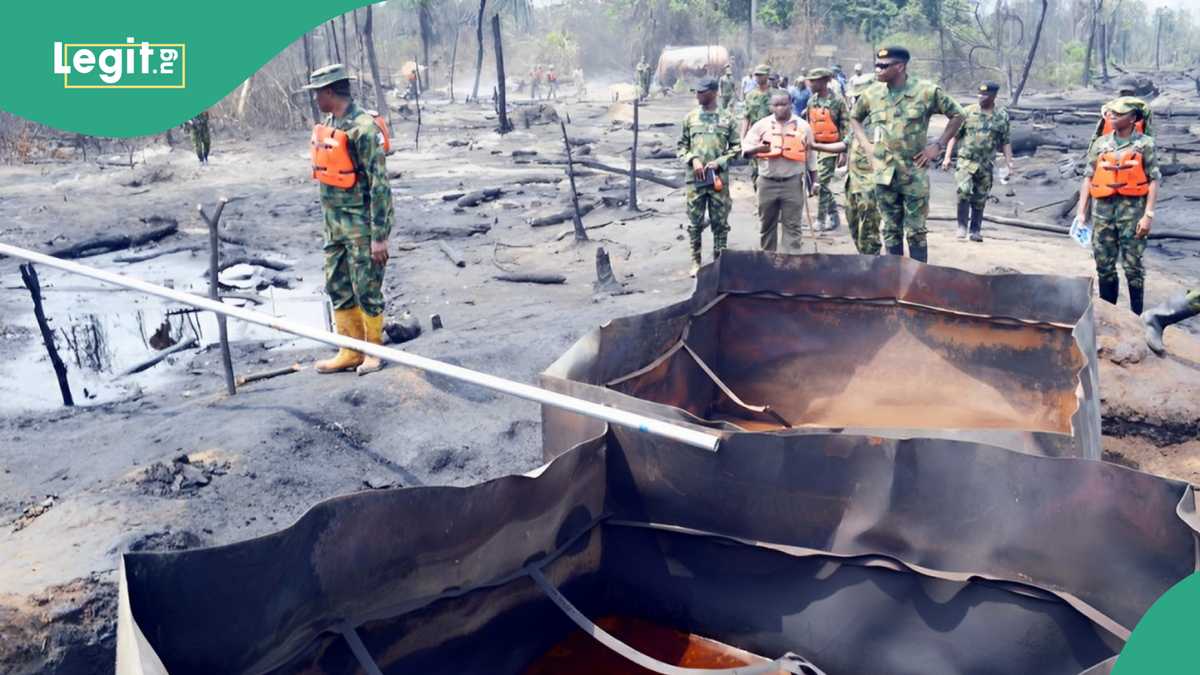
(609, 414)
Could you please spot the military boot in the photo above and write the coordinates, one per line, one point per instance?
(834, 219)
(1175, 309)
(919, 252)
(977, 223)
(373, 333)
(1109, 290)
(348, 322)
(1136, 293)
(964, 210)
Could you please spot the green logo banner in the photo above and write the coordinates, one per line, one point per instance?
(138, 67)
(1164, 641)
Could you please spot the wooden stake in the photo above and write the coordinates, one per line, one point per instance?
(214, 292)
(580, 233)
(30, 277)
(633, 161)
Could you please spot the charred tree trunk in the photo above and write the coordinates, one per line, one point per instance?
(454, 59)
(1103, 51)
(369, 41)
(1037, 38)
(308, 63)
(1158, 40)
(30, 278)
(479, 53)
(750, 32)
(345, 42)
(1091, 43)
(580, 233)
(331, 34)
(501, 97)
(426, 22)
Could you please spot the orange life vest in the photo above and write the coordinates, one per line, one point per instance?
(1138, 126)
(331, 161)
(1119, 173)
(821, 120)
(381, 124)
(788, 145)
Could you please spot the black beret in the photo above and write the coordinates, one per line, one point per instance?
(706, 84)
(894, 52)
(989, 88)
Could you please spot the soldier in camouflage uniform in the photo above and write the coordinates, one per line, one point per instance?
(1178, 308)
(1122, 176)
(201, 139)
(643, 80)
(727, 87)
(985, 130)
(1126, 90)
(757, 106)
(862, 216)
(899, 110)
(358, 221)
(709, 139)
(823, 98)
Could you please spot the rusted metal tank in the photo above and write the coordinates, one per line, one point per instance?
(689, 63)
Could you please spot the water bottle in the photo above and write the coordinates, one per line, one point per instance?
(1081, 232)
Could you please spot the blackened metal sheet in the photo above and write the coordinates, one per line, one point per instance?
(866, 344)
(863, 555)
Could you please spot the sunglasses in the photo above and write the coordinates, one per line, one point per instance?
(884, 65)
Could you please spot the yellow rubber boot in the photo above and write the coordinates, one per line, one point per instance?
(349, 323)
(373, 333)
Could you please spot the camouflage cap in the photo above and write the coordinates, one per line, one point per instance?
(899, 53)
(327, 75)
(818, 73)
(989, 88)
(1120, 107)
(762, 69)
(706, 84)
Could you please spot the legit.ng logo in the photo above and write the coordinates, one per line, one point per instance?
(121, 65)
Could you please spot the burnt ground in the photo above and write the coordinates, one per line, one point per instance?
(164, 460)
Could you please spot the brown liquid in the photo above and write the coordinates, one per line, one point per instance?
(581, 654)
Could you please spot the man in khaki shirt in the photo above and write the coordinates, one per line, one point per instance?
(783, 145)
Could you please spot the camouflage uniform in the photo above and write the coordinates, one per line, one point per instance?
(980, 136)
(862, 217)
(643, 79)
(201, 140)
(356, 216)
(826, 161)
(708, 136)
(1193, 301)
(757, 106)
(1115, 218)
(1133, 101)
(901, 121)
(727, 90)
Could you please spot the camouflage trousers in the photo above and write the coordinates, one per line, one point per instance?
(726, 101)
(826, 166)
(901, 215)
(201, 142)
(702, 200)
(863, 220)
(974, 183)
(352, 279)
(1114, 222)
(754, 174)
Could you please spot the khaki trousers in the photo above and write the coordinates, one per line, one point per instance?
(780, 213)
